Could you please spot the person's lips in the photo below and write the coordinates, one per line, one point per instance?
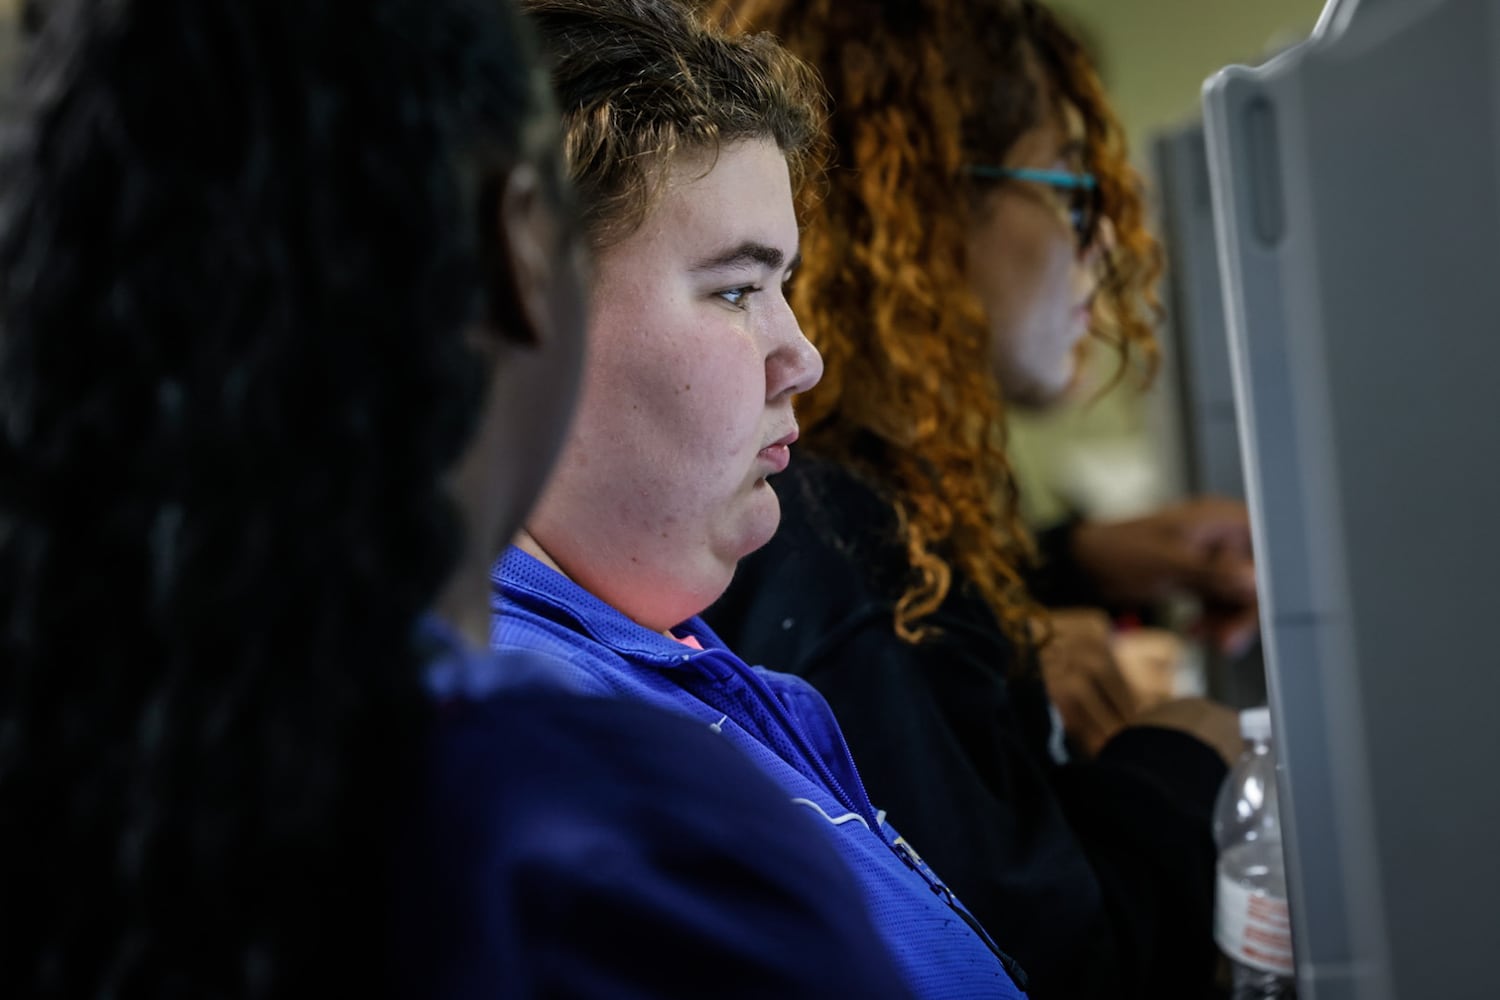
(778, 454)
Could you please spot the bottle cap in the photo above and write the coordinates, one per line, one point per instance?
(1255, 724)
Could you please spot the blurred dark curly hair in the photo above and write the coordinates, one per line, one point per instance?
(243, 249)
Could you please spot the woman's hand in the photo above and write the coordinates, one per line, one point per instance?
(1084, 680)
(1151, 660)
(1200, 546)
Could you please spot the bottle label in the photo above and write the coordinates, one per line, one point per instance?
(1253, 928)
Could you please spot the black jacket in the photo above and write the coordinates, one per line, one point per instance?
(1097, 876)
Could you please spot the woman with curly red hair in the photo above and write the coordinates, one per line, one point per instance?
(978, 221)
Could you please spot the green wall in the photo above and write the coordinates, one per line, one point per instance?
(1155, 54)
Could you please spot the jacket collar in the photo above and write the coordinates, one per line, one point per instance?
(520, 579)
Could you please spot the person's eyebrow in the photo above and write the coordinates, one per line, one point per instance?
(748, 252)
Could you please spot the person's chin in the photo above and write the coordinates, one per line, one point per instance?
(1039, 395)
(753, 525)
(759, 519)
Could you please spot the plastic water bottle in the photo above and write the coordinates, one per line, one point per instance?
(1251, 921)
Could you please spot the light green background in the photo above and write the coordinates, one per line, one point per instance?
(1155, 54)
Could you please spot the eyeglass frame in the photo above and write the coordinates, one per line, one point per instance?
(1084, 216)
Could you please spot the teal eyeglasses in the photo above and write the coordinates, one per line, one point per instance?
(1081, 191)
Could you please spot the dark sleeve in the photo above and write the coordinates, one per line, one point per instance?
(589, 848)
(1057, 580)
(1143, 809)
(1097, 876)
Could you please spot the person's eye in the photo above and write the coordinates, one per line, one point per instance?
(738, 297)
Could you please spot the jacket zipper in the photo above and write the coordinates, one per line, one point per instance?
(754, 681)
(1011, 966)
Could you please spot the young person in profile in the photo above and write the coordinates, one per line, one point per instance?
(685, 146)
(290, 327)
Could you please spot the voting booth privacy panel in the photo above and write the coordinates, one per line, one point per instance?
(1356, 191)
(1196, 361)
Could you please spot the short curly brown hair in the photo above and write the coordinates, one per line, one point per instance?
(919, 89)
(641, 80)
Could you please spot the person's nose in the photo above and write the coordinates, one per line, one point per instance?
(793, 364)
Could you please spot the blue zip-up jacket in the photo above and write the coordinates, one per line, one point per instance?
(786, 729)
(558, 844)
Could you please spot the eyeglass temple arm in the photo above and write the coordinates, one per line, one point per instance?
(1055, 178)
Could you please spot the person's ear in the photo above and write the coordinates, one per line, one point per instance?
(526, 260)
